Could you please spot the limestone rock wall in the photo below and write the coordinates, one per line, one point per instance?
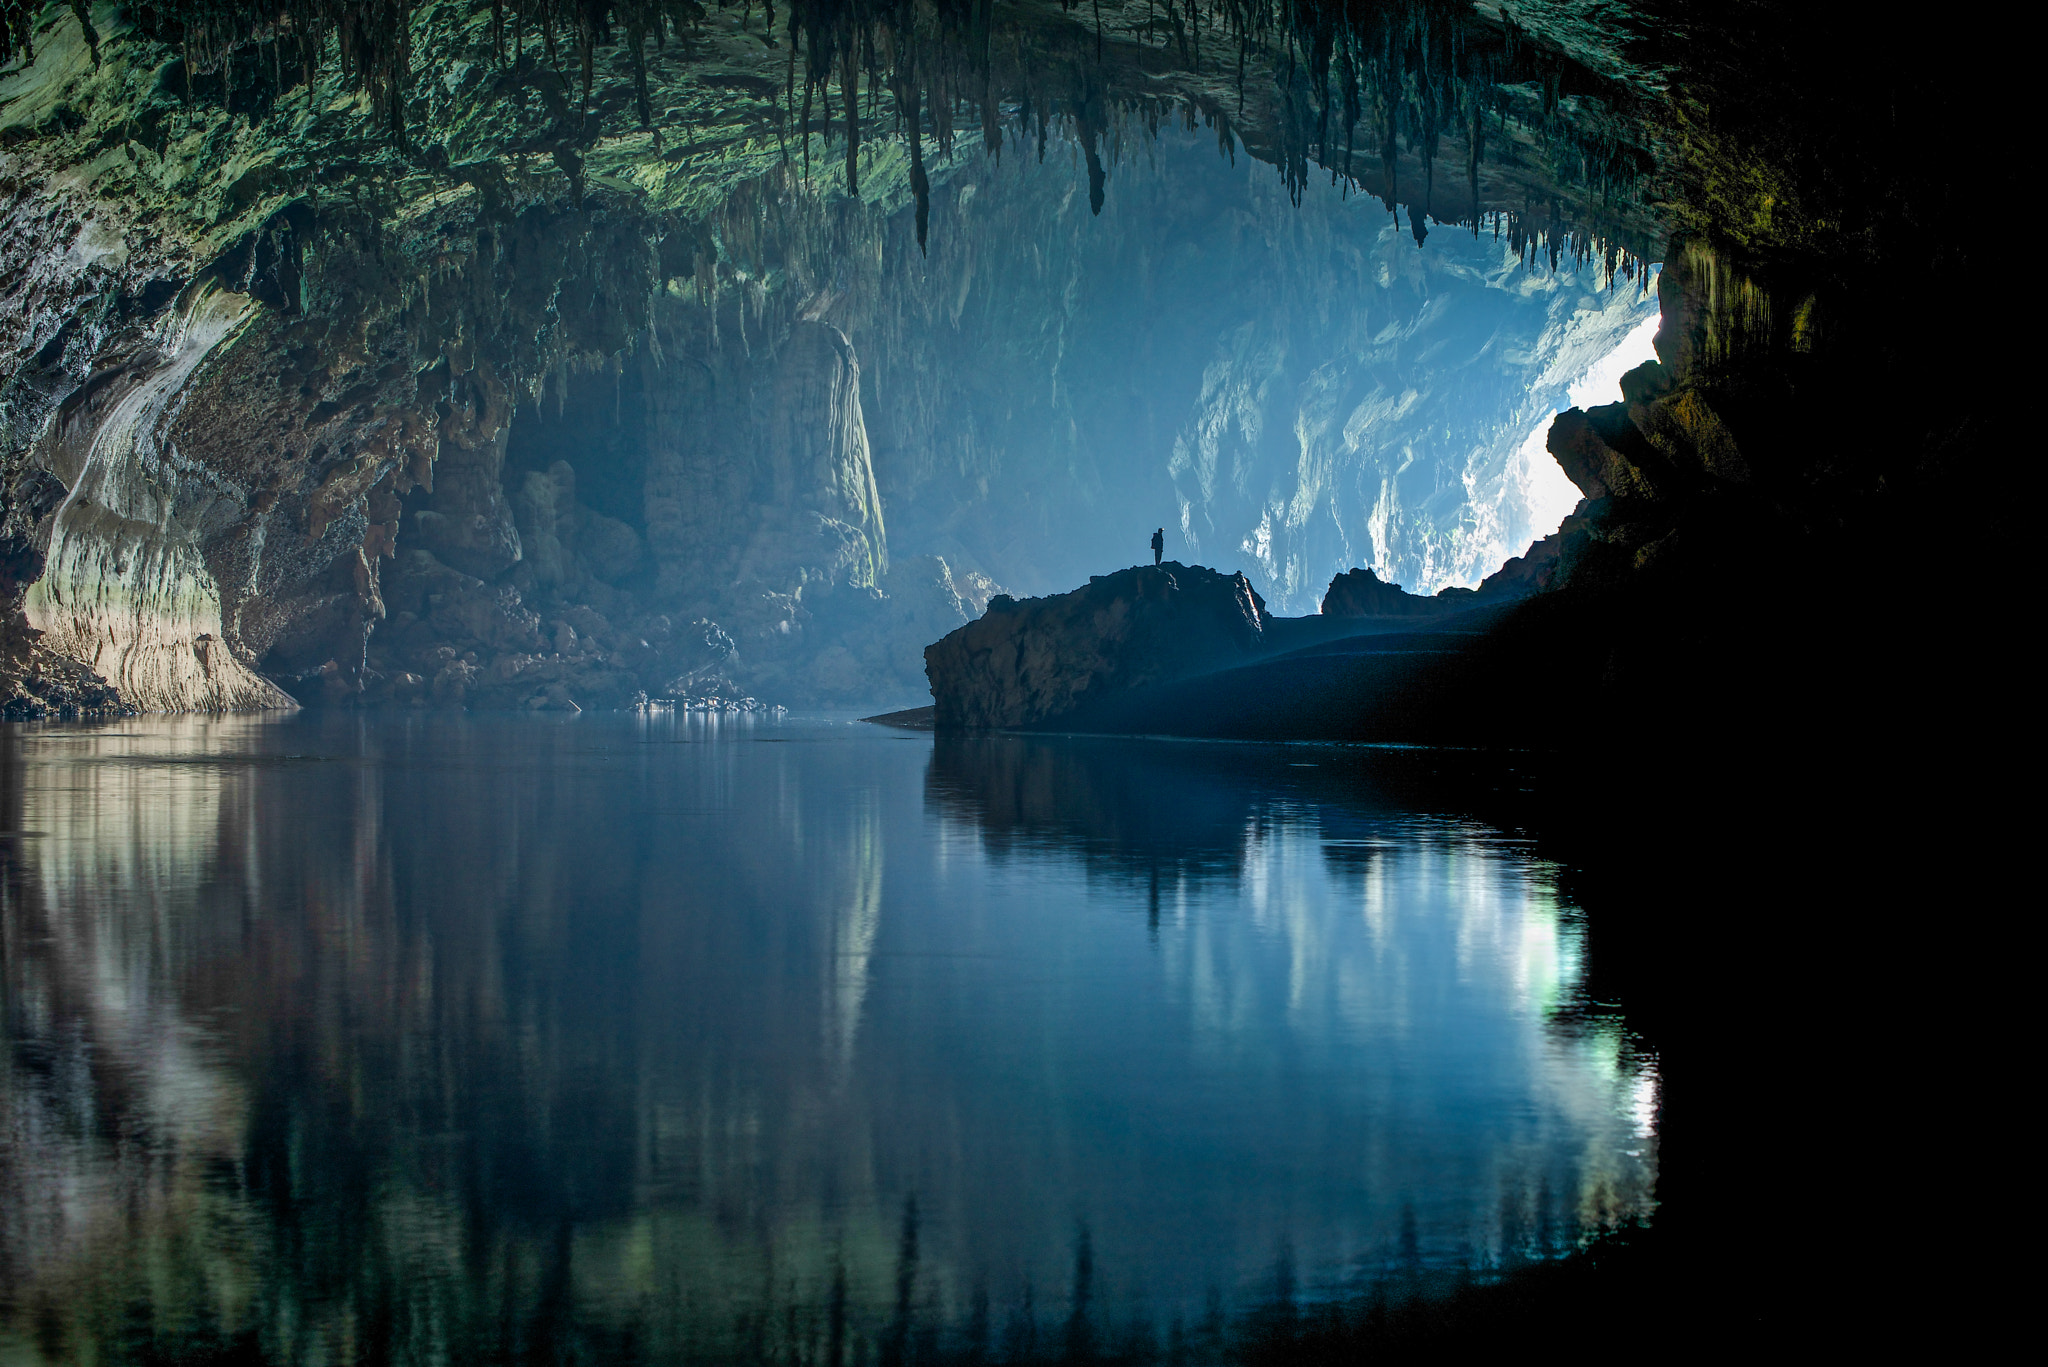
(747, 558)
(263, 349)
(126, 589)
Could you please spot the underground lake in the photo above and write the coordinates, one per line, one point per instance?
(998, 681)
(780, 1036)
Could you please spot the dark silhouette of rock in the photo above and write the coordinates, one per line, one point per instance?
(1041, 662)
(1533, 571)
(1361, 593)
(1588, 460)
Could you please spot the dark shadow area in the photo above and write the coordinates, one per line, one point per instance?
(597, 421)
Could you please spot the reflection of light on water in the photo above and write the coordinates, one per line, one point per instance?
(1314, 1043)
(1644, 1108)
(857, 917)
(1424, 943)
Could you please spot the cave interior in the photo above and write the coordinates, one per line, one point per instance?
(626, 358)
(575, 354)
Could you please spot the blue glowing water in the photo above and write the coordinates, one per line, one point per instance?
(669, 1038)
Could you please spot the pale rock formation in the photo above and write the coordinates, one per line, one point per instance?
(126, 588)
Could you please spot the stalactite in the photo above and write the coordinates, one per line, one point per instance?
(1408, 69)
(907, 99)
(1475, 148)
(850, 91)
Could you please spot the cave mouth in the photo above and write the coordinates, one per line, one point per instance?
(789, 486)
(1301, 381)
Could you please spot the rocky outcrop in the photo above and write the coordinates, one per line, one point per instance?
(1533, 571)
(1039, 662)
(36, 681)
(1360, 593)
(1667, 456)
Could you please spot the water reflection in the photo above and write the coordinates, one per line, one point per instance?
(460, 1038)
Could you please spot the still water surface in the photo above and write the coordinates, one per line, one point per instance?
(443, 1038)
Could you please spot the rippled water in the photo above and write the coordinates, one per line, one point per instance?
(445, 1038)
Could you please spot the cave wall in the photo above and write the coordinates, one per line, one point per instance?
(125, 588)
(700, 519)
(1041, 384)
(326, 497)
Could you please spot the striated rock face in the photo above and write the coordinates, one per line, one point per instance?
(36, 681)
(125, 589)
(1037, 662)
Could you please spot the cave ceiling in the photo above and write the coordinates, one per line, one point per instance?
(211, 118)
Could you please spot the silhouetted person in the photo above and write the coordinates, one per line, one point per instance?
(1158, 544)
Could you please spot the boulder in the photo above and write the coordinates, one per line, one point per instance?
(1601, 453)
(1040, 662)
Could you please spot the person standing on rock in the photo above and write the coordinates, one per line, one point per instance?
(1158, 544)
